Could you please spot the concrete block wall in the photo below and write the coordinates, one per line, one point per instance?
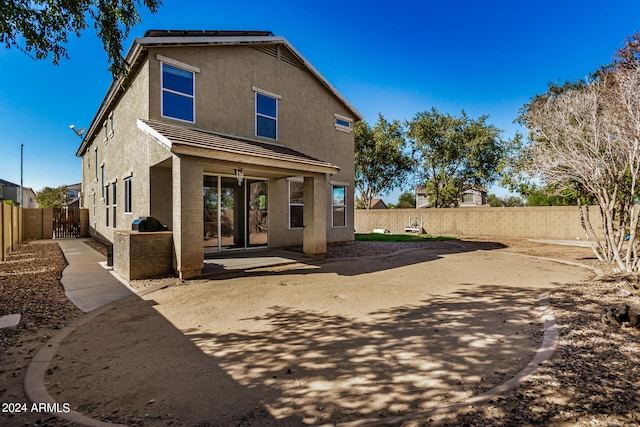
(140, 255)
(38, 224)
(544, 222)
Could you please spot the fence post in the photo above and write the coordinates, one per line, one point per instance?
(2, 231)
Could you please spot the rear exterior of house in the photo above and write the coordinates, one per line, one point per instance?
(231, 139)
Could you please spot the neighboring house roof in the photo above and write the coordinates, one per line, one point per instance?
(421, 189)
(8, 183)
(377, 203)
(137, 53)
(181, 140)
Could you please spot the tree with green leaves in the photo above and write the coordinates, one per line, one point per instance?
(455, 153)
(41, 28)
(380, 159)
(406, 200)
(53, 197)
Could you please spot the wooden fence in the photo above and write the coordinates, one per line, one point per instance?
(10, 228)
(18, 225)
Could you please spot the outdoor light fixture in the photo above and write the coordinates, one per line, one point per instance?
(239, 176)
(78, 132)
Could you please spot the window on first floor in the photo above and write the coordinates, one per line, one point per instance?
(296, 204)
(468, 198)
(106, 203)
(113, 201)
(339, 205)
(128, 194)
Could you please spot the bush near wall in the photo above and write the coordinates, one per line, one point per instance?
(540, 222)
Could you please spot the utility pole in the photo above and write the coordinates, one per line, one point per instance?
(21, 176)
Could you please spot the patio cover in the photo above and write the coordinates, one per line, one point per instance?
(201, 143)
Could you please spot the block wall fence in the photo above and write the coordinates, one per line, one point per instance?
(19, 225)
(542, 222)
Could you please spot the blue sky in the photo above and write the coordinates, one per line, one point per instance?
(397, 58)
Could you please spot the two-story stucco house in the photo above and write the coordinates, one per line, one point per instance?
(229, 138)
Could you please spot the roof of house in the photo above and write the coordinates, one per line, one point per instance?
(377, 203)
(175, 137)
(151, 38)
(421, 189)
(8, 183)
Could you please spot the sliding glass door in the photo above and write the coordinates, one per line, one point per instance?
(235, 214)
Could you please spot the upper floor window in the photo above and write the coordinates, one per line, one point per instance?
(343, 123)
(266, 114)
(178, 93)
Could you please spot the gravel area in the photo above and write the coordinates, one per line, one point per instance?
(30, 286)
(591, 380)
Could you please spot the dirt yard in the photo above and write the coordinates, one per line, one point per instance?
(336, 342)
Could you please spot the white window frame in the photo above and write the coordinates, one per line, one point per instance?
(110, 130)
(105, 132)
(289, 181)
(268, 94)
(106, 204)
(128, 194)
(469, 195)
(95, 150)
(344, 206)
(102, 182)
(340, 126)
(114, 204)
(185, 67)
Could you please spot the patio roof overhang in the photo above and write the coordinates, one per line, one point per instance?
(182, 140)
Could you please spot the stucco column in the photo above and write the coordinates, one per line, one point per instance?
(314, 242)
(187, 216)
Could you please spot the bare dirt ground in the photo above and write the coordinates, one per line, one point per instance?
(333, 342)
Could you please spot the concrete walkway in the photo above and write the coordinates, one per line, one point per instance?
(87, 283)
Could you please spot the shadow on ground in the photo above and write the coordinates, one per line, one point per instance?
(412, 253)
(302, 367)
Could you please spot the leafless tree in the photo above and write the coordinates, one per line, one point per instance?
(585, 135)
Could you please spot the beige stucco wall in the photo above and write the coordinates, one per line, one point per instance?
(142, 255)
(306, 119)
(128, 152)
(225, 103)
(545, 222)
